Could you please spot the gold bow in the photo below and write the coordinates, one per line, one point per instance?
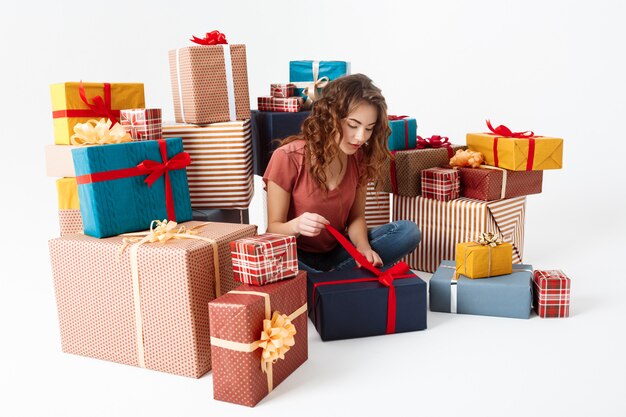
(276, 338)
(94, 132)
(160, 231)
(489, 239)
(310, 91)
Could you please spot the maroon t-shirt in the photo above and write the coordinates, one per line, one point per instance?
(289, 169)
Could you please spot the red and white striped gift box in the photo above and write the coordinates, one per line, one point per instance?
(446, 223)
(377, 207)
(287, 105)
(282, 90)
(142, 124)
(552, 293)
(264, 259)
(443, 184)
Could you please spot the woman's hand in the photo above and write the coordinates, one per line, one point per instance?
(309, 224)
(370, 255)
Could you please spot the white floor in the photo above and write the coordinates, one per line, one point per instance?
(460, 365)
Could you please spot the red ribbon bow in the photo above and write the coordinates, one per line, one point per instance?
(386, 278)
(99, 107)
(505, 132)
(153, 169)
(435, 141)
(392, 117)
(211, 38)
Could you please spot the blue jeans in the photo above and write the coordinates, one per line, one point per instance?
(391, 241)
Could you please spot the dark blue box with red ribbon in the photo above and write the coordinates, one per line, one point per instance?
(356, 303)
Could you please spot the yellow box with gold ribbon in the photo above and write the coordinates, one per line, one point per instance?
(78, 102)
(517, 151)
(67, 193)
(488, 257)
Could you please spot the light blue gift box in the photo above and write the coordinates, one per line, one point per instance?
(403, 133)
(127, 204)
(303, 73)
(501, 296)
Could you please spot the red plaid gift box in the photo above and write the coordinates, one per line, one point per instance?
(288, 105)
(282, 90)
(552, 293)
(142, 124)
(441, 184)
(264, 259)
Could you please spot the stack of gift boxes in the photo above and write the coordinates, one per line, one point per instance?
(455, 193)
(138, 282)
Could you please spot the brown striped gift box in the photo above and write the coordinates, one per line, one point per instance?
(220, 174)
(210, 83)
(446, 223)
(377, 207)
(409, 165)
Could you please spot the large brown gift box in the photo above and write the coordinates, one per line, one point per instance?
(210, 83)
(408, 168)
(490, 183)
(144, 304)
(238, 320)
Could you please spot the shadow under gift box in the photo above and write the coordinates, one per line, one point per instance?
(98, 312)
(502, 296)
(237, 374)
(128, 203)
(359, 309)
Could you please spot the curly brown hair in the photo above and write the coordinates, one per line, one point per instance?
(339, 98)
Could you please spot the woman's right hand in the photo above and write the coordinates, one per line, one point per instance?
(309, 224)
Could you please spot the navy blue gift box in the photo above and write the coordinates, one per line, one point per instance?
(360, 309)
(270, 125)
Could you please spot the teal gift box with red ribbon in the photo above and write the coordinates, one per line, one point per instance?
(403, 133)
(123, 187)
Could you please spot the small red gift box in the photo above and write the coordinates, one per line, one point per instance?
(264, 259)
(289, 104)
(441, 184)
(282, 90)
(142, 124)
(552, 293)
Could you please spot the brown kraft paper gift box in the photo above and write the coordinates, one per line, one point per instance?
(490, 183)
(237, 318)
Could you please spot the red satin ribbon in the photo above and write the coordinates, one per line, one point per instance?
(505, 132)
(398, 271)
(153, 169)
(99, 107)
(435, 141)
(211, 38)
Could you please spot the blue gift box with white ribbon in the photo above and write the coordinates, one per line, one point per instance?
(310, 73)
(352, 308)
(501, 296)
(122, 187)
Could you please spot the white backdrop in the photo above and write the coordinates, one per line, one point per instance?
(554, 67)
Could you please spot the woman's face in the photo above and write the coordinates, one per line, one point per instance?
(357, 127)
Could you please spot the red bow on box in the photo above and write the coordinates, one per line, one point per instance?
(505, 132)
(386, 278)
(99, 106)
(435, 141)
(211, 38)
(153, 169)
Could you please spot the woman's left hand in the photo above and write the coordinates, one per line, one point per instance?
(371, 256)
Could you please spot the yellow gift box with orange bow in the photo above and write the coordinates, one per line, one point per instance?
(77, 102)
(485, 258)
(517, 151)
